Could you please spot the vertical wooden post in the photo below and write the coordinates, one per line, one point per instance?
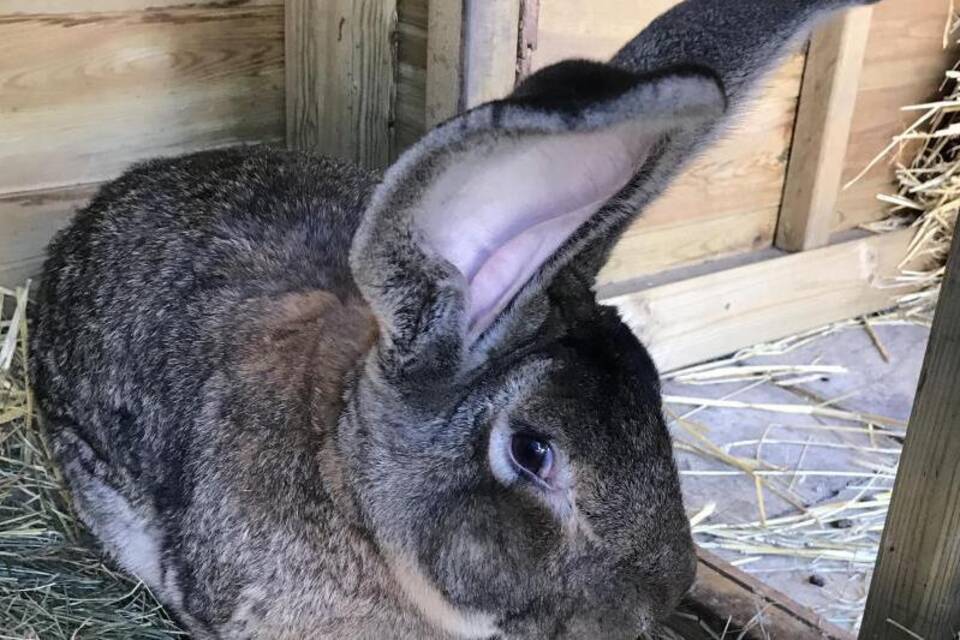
(445, 33)
(492, 31)
(916, 585)
(472, 53)
(828, 95)
(341, 66)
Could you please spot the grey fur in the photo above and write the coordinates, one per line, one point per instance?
(283, 425)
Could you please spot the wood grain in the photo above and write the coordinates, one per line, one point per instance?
(341, 69)
(698, 318)
(412, 37)
(916, 583)
(84, 95)
(903, 65)
(445, 64)
(28, 221)
(725, 598)
(37, 7)
(824, 117)
(490, 49)
(646, 250)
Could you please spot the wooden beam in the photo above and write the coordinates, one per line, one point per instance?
(445, 88)
(684, 320)
(828, 96)
(341, 68)
(491, 34)
(724, 598)
(915, 591)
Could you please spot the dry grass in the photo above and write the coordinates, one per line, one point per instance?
(53, 584)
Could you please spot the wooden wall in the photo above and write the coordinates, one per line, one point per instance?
(705, 214)
(729, 201)
(904, 64)
(86, 88)
(89, 86)
(411, 71)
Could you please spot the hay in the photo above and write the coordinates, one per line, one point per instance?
(53, 584)
(928, 195)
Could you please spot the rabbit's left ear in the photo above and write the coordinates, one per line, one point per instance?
(491, 203)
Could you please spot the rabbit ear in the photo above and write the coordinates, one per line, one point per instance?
(485, 210)
(466, 218)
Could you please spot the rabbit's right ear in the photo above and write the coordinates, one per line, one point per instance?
(468, 220)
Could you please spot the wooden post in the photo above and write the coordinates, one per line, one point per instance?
(445, 67)
(828, 95)
(473, 53)
(915, 592)
(341, 66)
(492, 31)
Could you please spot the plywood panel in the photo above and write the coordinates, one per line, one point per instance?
(904, 64)
(84, 95)
(744, 174)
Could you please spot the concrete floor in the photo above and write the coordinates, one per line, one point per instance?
(870, 385)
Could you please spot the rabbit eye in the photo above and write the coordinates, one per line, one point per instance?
(532, 454)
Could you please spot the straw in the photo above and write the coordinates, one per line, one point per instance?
(54, 584)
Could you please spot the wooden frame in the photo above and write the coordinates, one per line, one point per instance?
(341, 65)
(696, 314)
(725, 598)
(824, 118)
(915, 592)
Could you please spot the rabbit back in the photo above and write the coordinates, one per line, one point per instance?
(193, 330)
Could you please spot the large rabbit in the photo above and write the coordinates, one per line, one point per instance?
(300, 400)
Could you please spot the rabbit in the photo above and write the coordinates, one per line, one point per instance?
(298, 399)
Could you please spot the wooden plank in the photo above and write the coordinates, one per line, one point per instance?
(695, 319)
(101, 6)
(341, 67)
(904, 65)
(490, 49)
(644, 250)
(410, 112)
(529, 34)
(28, 222)
(824, 117)
(445, 64)
(916, 584)
(84, 95)
(724, 598)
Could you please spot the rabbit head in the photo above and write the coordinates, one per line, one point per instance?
(504, 440)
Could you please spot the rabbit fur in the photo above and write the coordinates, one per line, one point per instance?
(287, 393)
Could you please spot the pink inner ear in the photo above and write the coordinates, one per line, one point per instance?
(501, 211)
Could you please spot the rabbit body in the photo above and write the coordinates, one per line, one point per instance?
(194, 366)
(300, 400)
